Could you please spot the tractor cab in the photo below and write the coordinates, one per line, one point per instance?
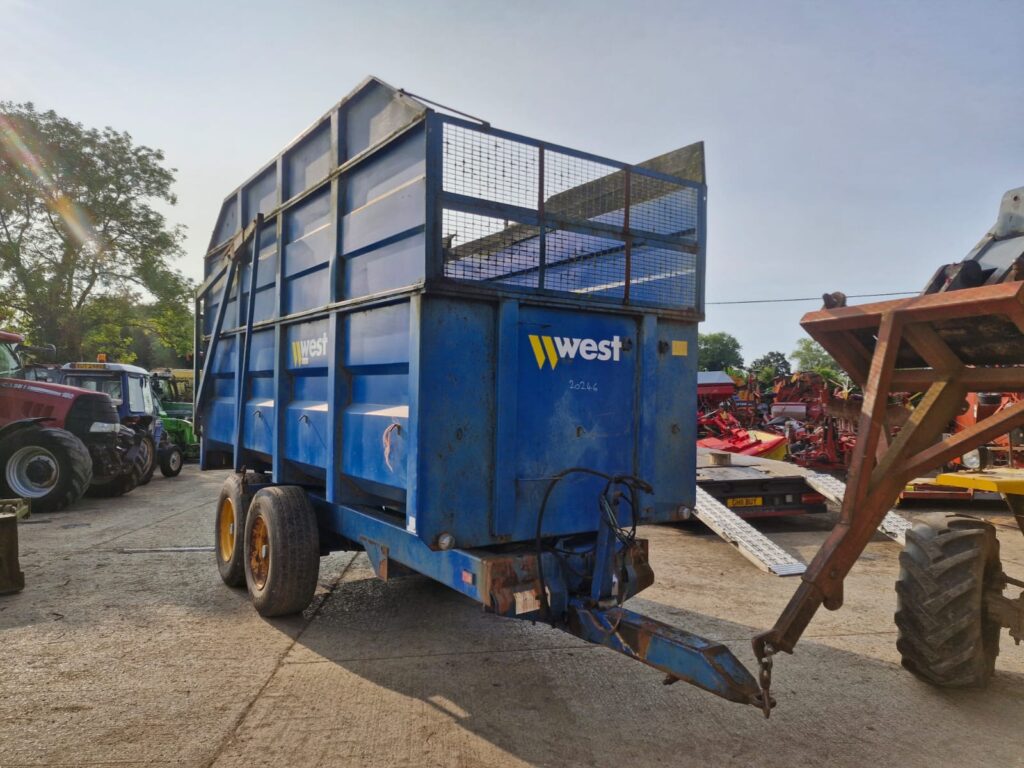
(128, 386)
(173, 390)
(131, 390)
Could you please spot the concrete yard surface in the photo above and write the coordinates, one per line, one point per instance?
(126, 649)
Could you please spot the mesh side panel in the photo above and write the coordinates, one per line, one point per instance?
(496, 178)
(662, 207)
(482, 248)
(490, 168)
(662, 276)
(580, 189)
(585, 264)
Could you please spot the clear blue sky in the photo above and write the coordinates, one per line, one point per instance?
(850, 146)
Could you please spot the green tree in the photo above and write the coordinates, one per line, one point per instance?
(84, 251)
(770, 365)
(718, 351)
(809, 355)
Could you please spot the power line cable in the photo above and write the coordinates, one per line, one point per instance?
(813, 298)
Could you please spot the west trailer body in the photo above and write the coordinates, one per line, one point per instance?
(474, 353)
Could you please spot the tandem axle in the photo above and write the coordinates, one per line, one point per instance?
(577, 584)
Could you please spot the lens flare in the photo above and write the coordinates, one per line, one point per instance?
(31, 166)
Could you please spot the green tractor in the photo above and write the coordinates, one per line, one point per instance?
(173, 390)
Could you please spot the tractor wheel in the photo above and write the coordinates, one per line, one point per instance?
(171, 461)
(945, 637)
(50, 467)
(124, 483)
(147, 452)
(229, 528)
(282, 551)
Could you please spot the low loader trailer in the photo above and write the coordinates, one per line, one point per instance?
(470, 354)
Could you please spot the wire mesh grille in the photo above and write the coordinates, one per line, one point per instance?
(662, 207)
(585, 264)
(662, 276)
(490, 168)
(486, 249)
(575, 188)
(583, 248)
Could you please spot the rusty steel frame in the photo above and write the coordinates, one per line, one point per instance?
(879, 470)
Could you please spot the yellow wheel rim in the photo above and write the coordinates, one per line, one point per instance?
(259, 552)
(226, 530)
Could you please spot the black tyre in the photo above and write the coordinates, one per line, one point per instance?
(117, 486)
(125, 482)
(50, 467)
(171, 461)
(229, 528)
(147, 454)
(945, 637)
(282, 551)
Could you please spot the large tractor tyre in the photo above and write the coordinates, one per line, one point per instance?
(229, 528)
(124, 483)
(171, 461)
(147, 453)
(282, 551)
(945, 637)
(48, 466)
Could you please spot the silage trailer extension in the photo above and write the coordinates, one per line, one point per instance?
(466, 352)
(472, 355)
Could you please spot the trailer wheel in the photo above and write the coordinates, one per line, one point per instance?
(945, 637)
(50, 467)
(232, 508)
(147, 452)
(171, 461)
(282, 551)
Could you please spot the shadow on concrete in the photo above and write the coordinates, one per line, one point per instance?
(540, 694)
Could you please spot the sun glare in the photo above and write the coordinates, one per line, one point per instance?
(13, 144)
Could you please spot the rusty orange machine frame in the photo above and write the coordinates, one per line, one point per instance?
(942, 344)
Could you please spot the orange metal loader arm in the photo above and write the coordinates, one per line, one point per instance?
(945, 344)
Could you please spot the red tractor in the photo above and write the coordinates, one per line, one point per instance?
(57, 442)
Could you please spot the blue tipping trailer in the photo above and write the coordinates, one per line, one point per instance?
(467, 352)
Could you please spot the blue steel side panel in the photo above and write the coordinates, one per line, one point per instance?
(382, 236)
(258, 414)
(404, 161)
(375, 422)
(260, 195)
(401, 211)
(227, 221)
(220, 407)
(668, 420)
(307, 417)
(308, 162)
(266, 275)
(211, 304)
(573, 412)
(374, 114)
(308, 248)
(456, 420)
(597, 390)
(230, 313)
(393, 265)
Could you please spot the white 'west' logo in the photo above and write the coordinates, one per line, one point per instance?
(551, 349)
(309, 349)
